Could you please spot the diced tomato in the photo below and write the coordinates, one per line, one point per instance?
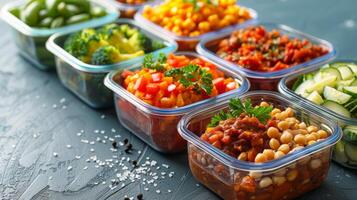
(148, 96)
(156, 77)
(219, 84)
(140, 84)
(173, 62)
(126, 73)
(152, 88)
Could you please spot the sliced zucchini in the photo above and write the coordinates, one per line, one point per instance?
(319, 86)
(351, 90)
(301, 89)
(337, 108)
(353, 68)
(315, 97)
(339, 152)
(343, 83)
(328, 72)
(350, 133)
(351, 151)
(345, 72)
(334, 95)
(354, 83)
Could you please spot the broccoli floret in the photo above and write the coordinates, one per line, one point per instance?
(155, 45)
(83, 44)
(105, 55)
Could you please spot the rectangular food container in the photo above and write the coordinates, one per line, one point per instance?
(86, 80)
(157, 126)
(31, 42)
(128, 10)
(285, 178)
(187, 43)
(265, 80)
(345, 151)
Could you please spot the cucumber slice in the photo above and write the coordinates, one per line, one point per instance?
(351, 90)
(354, 83)
(345, 72)
(350, 133)
(339, 152)
(341, 84)
(351, 151)
(316, 98)
(301, 89)
(334, 95)
(353, 68)
(328, 72)
(319, 86)
(337, 108)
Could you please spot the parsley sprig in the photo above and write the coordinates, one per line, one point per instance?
(193, 76)
(151, 63)
(237, 107)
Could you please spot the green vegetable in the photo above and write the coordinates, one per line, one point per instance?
(51, 6)
(78, 18)
(57, 22)
(158, 64)
(97, 12)
(105, 55)
(46, 22)
(237, 107)
(350, 133)
(193, 76)
(31, 13)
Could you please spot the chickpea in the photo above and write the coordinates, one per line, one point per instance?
(255, 175)
(300, 139)
(274, 144)
(310, 137)
(286, 137)
(264, 104)
(242, 156)
(283, 125)
(284, 148)
(311, 129)
(273, 132)
(292, 175)
(278, 180)
(260, 158)
(278, 154)
(281, 116)
(316, 163)
(265, 182)
(316, 135)
(269, 153)
(275, 111)
(311, 142)
(289, 111)
(302, 125)
(322, 134)
(303, 131)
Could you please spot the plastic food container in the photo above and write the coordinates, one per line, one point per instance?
(265, 80)
(86, 80)
(128, 10)
(157, 126)
(345, 149)
(284, 178)
(32, 41)
(186, 43)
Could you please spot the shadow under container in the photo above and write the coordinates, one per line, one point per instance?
(31, 41)
(87, 81)
(285, 178)
(265, 80)
(158, 126)
(128, 10)
(188, 43)
(347, 158)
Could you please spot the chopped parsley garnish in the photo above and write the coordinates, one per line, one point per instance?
(237, 107)
(150, 63)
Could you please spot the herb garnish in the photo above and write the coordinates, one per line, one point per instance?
(237, 107)
(196, 3)
(193, 76)
(158, 65)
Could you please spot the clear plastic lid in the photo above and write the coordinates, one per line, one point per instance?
(25, 29)
(285, 90)
(209, 110)
(127, 6)
(156, 28)
(202, 48)
(54, 45)
(119, 90)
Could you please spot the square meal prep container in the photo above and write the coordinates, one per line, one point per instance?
(187, 43)
(285, 178)
(86, 80)
(339, 154)
(265, 80)
(157, 126)
(31, 42)
(128, 10)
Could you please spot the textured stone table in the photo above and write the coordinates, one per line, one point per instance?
(47, 135)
